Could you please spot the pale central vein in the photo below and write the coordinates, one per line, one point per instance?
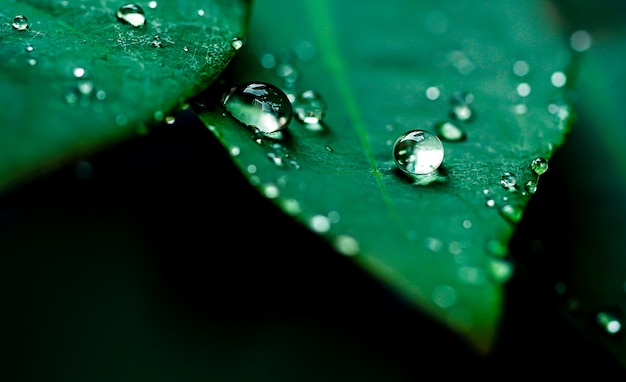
(320, 13)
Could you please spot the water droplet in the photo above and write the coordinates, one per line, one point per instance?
(20, 23)
(236, 43)
(30, 48)
(271, 191)
(320, 223)
(347, 245)
(500, 270)
(450, 132)
(523, 89)
(152, 4)
(433, 93)
(558, 79)
(309, 106)
(531, 186)
(444, 296)
(580, 40)
(460, 103)
(511, 212)
(521, 68)
(78, 72)
(608, 322)
(508, 180)
(131, 14)
(467, 224)
(185, 48)
(539, 165)
(156, 41)
(496, 248)
(418, 152)
(259, 105)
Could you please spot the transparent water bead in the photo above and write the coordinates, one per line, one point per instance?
(309, 106)
(609, 322)
(260, 105)
(20, 23)
(460, 106)
(508, 180)
(449, 131)
(539, 165)
(418, 152)
(131, 14)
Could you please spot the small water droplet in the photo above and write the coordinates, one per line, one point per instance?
(521, 68)
(432, 93)
(20, 23)
(152, 4)
(490, 202)
(508, 180)
(450, 132)
(558, 79)
(320, 223)
(309, 106)
(444, 296)
(30, 48)
(523, 89)
(609, 322)
(500, 269)
(156, 41)
(580, 40)
(271, 191)
(496, 248)
(539, 165)
(78, 72)
(185, 48)
(531, 186)
(131, 14)
(347, 245)
(511, 212)
(418, 152)
(259, 105)
(236, 43)
(460, 103)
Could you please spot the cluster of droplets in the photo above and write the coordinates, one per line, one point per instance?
(511, 210)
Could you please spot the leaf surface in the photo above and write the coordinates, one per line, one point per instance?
(384, 69)
(79, 79)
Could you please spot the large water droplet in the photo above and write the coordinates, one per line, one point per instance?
(418, 152)
(20, 23)
(260, 105)
(309, 107)
(131, 14)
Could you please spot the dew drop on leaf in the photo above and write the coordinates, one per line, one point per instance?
(309, 107)
(259, 105)
(460, 106)
(531, 186)
(20, 23)
(418, 152)
(156, 41)
(539, 165)
(511, 212)
(508, 180)
(450, 132)
(236, 43)
(131, 14)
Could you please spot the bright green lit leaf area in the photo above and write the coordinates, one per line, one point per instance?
(74, 78)
(383, 69)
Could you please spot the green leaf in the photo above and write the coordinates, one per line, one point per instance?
(436, 242)
(78, 79)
